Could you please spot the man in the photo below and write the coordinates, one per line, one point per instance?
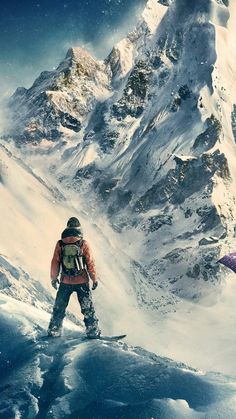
(72, 261)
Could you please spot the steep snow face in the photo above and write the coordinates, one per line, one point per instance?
(31, 211)
(60, 100)
(123, 56)
(166, 166)
(152, 15)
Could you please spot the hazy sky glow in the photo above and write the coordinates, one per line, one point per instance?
(35, 34)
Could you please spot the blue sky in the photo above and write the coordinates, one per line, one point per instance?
(35, 34)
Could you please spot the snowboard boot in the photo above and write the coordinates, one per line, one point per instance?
(93, 333)
(54, 333)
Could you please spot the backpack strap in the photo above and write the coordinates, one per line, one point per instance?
(63, 244)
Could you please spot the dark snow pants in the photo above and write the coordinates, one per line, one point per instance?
(86, 304)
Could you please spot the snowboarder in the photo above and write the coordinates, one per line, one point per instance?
(72, 262)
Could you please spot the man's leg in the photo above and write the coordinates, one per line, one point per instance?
(62, 299)
(87, 309)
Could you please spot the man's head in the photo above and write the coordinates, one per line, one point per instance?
(73, 222)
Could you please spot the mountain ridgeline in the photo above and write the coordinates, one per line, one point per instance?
(152, 131)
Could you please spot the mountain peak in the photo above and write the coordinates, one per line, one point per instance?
(82, 60)
(153, 13)
(78, 54)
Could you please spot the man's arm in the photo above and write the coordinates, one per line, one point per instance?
(55, 263)
(89, 262)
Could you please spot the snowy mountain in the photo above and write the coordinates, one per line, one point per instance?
(59, 101)
(153, 136)
(141, 147)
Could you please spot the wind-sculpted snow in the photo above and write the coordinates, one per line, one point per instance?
(18, 284)
(72, 378)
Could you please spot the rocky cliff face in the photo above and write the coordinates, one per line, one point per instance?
(59, 101)
(160, 115)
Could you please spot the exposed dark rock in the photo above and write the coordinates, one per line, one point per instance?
(208, 240)
(223, 235)
(1, 173)
(108, 142)
(204, 268)
(188, 213)
(189, 176)
(233, 121)
(88, 172)
(175, 256)
(88, 136)
(134, 95)
(206, 140)
(68, 121)
(176, 103)
(209, 268)
(4, 281)
(193, 272)
(163, 76)
(157, 62)
(156, 222)
(187, 234)
(166, 2)
(209, 217)
(184, 92)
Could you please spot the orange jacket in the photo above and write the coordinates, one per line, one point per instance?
(79, 279)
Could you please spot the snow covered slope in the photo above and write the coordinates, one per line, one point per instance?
(67, 377)
(32, 212)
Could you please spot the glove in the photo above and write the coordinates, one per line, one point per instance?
(95, 284)
(55, 283)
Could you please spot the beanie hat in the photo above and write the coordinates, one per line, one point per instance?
(73, 222)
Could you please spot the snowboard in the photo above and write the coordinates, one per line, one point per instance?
(114, 338)
(107, 338)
